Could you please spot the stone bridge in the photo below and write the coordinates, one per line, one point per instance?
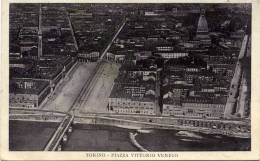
(60, 135)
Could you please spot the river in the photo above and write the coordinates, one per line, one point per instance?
(30, 136)
(25, 135)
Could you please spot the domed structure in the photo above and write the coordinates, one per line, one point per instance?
(203, 30)
(202, 23)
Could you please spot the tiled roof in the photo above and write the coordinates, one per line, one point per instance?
(36, 89)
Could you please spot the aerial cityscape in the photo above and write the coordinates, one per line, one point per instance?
(129, 77)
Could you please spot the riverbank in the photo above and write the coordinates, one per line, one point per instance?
(32, 136)
(135, 143)
(159, 139)
(168, 140)
(213, 127)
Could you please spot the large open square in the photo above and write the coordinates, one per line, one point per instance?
(95, 100)
(68, 91)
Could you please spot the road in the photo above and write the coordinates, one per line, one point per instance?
(243, 98)
(113, 39)
(100, 86)
(72, 31)
(235, 82)
(157, 94)
(40, 32)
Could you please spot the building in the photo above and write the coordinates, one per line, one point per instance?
(28, 93)
(202, 30)
(171, 54)
(132, 100)
(133, 92)
(117, 57)
(194, 107)
(51, 69)
(91, 56)
(193, 92)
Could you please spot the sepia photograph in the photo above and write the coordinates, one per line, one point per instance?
(130, 77)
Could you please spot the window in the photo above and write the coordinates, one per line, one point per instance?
(190, 110)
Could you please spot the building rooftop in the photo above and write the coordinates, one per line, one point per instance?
(119, 92)
(27, 86)
(205, 100)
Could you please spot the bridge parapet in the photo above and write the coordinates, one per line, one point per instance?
(36, 117)
(35, 111)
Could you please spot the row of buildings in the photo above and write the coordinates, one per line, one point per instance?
(189, 67)
(32, 81)
(47, 39)
(93, 26)
(191, 88)
(42, 50)
(170, 36)
(134, 90)
(177, 60)
(40, 30)
(182, 88)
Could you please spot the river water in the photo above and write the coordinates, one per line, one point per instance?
(30, 136)
(165, 140)
(107, 138)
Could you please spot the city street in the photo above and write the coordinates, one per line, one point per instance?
(66, 94)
